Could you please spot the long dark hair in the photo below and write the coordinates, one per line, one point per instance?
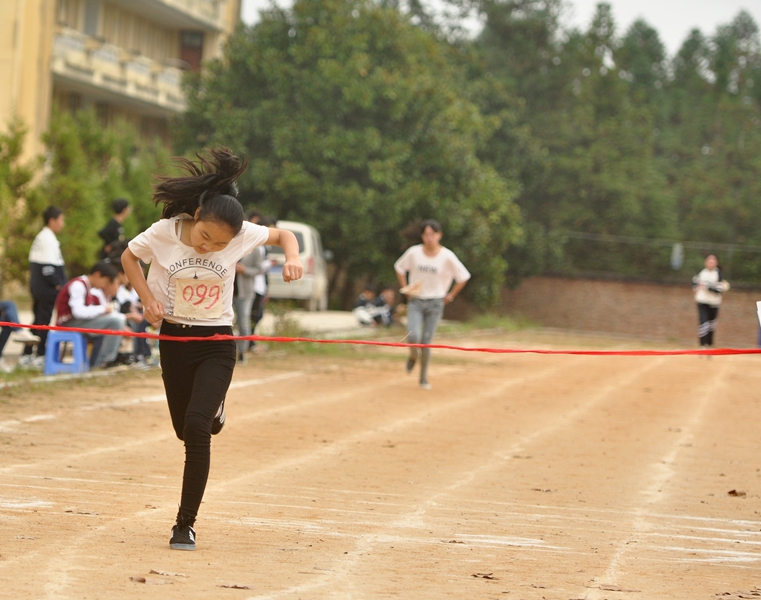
(210, 187)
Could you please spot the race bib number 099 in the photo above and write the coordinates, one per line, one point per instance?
(198, 299)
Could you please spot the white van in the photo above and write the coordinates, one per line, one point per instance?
(312, 288)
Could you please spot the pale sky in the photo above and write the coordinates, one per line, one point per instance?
(672, 19)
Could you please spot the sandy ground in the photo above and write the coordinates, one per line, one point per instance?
(517, 476)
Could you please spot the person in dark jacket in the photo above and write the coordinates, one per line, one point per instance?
(47, 275)
(113, 231)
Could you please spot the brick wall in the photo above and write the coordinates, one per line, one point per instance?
(666, 312)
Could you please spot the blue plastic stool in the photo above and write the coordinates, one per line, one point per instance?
(53, 362)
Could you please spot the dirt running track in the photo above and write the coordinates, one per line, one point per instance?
(517, 477)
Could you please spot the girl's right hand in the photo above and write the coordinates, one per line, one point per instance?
(154, 312)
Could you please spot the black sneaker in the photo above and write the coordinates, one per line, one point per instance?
(410, 365)
(183, 538)
(219, 420)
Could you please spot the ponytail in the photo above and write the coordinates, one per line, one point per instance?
(210, 186)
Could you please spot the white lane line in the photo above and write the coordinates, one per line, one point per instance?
(716, 555)
(340, 578)
(11, 425)
(425, 413)
(235, 385)
(661, 472)
(499, 458)
(26, 503)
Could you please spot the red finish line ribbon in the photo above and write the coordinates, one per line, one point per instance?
(264, 338)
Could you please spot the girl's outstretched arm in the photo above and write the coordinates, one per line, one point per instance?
(153, 310)
(292, 269)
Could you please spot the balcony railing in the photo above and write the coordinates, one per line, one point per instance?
(191, 14)
(81, 59)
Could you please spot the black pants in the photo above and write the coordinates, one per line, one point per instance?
(196, 377)
(42, 307)
(257, 310)
(257, 313)
(707, 316)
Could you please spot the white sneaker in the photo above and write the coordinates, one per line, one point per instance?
(5, 367)
(29, 361)
(25, 337)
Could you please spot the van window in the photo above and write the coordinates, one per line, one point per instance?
(299, 239)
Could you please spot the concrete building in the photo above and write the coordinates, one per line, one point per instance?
(124, 58)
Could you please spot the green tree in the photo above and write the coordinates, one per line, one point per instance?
(642, 61)
(355, 121)
(593, 167)
(711, 141)
(15, 184)
(89, 165)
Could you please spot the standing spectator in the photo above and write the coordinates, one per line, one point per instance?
(46, 277)
(708, 287)
(114, 229)
(431, 268)
(246, 271)
(9, 314)
(84, 302)
(261, 281)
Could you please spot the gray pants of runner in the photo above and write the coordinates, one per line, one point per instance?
(104, 347)
(423, 318)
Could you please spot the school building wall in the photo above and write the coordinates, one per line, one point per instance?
(660, 311)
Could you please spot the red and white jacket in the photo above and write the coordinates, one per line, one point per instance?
(78, 300)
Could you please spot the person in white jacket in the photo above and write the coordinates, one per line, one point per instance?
(708, 287)
(47, 275)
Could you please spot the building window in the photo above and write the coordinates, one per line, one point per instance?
(92, 17)
(191, 49)
(67, 13)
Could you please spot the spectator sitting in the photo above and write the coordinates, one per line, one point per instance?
(131, 307)
(9, 314)
(372, 309)
(113, 231)
(388, 312)
(82, 302)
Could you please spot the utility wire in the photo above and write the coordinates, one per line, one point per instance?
(625, 239)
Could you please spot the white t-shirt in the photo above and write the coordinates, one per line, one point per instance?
(204, 281)
(435, 273)
(46, 249)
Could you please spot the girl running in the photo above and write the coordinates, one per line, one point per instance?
(709, 288)
(432, 268)
(192, 252)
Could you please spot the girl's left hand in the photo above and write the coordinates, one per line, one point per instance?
(292, 270)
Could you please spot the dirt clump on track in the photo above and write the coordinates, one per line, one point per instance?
(517, 476)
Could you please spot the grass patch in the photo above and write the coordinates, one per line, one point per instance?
(487, 322)
(285, 327)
